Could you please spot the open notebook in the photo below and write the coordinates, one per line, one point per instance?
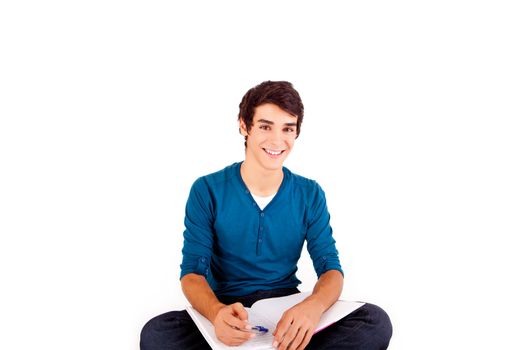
(267, 313)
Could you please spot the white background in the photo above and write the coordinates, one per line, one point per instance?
(413, 126)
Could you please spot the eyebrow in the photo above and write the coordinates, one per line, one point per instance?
(264, 121)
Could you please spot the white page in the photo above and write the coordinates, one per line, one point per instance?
(273, 309)
(266, 313)
(337, 311)
(259, 342)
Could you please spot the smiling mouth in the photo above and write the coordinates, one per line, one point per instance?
(273, 152)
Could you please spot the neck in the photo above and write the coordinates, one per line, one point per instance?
(260, 181)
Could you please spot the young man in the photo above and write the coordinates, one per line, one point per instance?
(245, 229)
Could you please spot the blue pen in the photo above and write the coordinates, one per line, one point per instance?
(259, 329)
(253, 329)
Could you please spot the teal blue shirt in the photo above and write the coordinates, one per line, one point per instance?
(240, 248)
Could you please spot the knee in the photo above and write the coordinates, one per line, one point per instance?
(159, 330)
(381, 323)
(147, 335)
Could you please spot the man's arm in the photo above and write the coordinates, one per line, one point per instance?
(200, 295)
(196, 253)
(297, 325)
(224, 317)
(328, 289)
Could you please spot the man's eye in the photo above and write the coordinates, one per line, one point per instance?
(264, 127)
(289, 130)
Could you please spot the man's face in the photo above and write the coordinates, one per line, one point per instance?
(271, 137)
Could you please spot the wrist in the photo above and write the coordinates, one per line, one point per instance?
(214, 311)
(317, 302)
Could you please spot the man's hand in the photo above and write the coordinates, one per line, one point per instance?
(296, 327)
(229, 324)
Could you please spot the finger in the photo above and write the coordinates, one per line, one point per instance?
(245, 336)
(289, 337)
(306, 339)
(236, 341)
(234, 333)
(280, 330)
(240, 311)
(234, 322)
(240, 336)
(298, 340)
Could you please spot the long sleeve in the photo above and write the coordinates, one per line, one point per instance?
(320, 242)
(198, 234)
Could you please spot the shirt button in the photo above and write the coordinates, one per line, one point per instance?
(260, 240)
(203, 260)
(246, 191)
(261, 229)
(262, 214)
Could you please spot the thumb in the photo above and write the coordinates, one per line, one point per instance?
(240, 311)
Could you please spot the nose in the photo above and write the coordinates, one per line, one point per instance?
(276, 138)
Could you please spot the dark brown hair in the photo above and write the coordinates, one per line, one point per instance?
(280, 93)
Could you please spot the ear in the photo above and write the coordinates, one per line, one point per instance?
(242, 128)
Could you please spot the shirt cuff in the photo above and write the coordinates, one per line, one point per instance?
(328, 262)
(199, 265)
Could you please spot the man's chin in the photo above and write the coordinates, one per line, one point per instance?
(275, 165)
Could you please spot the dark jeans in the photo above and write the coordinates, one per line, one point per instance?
(367, 328)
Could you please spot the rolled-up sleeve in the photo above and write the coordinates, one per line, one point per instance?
(320, 242)
(198, 233)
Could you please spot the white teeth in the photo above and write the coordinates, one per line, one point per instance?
(273, 153)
